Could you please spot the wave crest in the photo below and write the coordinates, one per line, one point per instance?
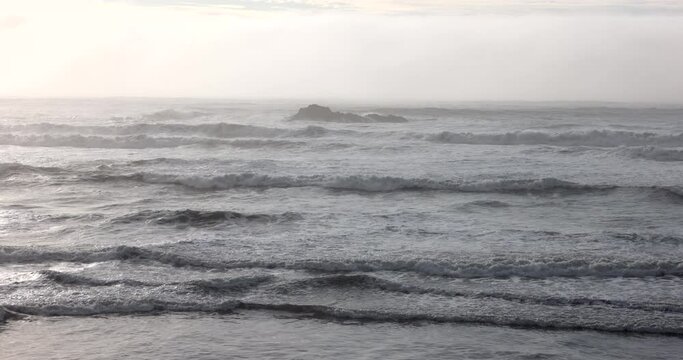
(364, 183)
(339, 314)
(655, 153)
(6, 314)
(597, 138)
(10, 169)
(197, 218)
(210, 130)
(369, 282)
(135, 141)
(220, 285)
(171, 114)
(494, 267)
(241, 284)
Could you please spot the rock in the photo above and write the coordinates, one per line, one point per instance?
(322, 113)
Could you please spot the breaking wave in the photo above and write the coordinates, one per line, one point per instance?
(655, 153)
(122, 307)
(135, 141)
(6, 314)
(10, 169)
(493, 267)
(335, 313)
(364, 183)
(647, 238)
(154, 306)
(361, 281)
(197, 218)
(231, 285)
(73, 279)
(488, 268)
(361, 183)
(597, 138)
(675, 192)
(364, 281)
(171, 114)
(215, 285)
(211, 130)
(487, 203)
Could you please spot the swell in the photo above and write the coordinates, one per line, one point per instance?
(6, 314)
(64, 278)
(198, 218)
(496, 267)
(378, 184)
(340, 314)
(647, 237)
(135, 141)
(362, 281)
(172, 114)
(121, 253)
(40, 133)
(596, 138)
(655, 153)
(211, 130)
(486, 204)
(545, 111)
(335, 314)
(675, 192)
(490, 267)
(123, 308)
(214, 285)
(363, 183)
(10, 169)
(373, 283)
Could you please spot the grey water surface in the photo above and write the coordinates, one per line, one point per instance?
(205, 229)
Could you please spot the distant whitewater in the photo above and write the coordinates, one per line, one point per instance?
(488, 222)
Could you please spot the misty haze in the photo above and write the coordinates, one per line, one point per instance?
(351, 179)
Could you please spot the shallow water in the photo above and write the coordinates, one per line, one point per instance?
(279, 336)
(531, 222)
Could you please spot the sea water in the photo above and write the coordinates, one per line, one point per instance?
(174, 228)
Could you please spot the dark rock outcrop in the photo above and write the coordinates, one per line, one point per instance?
(322, 113)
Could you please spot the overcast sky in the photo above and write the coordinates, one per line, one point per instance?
(359, 50)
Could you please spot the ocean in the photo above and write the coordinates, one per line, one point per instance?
(211, 229)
